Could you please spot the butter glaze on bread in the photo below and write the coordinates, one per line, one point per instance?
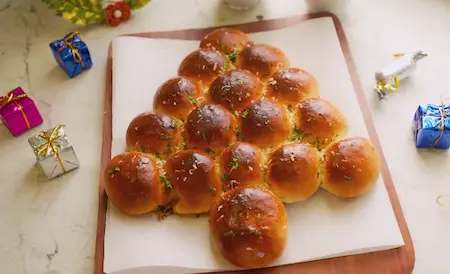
(351, 167)
(154, 133)
(228, 41)
(265, 123)
(240, 165)
(249, 226)
(194, 178)
(132, 183)
(293, 172)
(319, 122)
(235, 89)
(262, 60)
(204, 65)
(209, 126)
(292, 85)
(177, 97)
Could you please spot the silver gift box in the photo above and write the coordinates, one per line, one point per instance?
(54, 153)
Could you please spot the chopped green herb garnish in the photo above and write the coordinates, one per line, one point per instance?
(264, 185)
(192, 100)
(229, 234)
(266, 74)
(212, 189)
(174, 123)
(259, 216)
(257, 233)
(165, 181)
(204, 135)
(234, 163)
(232, 55)
(165, 137)
(244, 114)
(157, 155)
(225, 177)
(112, 170)
(143, 149)
(225, 65)
(347, 178)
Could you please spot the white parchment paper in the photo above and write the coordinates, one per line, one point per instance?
(321, 227)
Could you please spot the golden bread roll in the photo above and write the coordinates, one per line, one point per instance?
(240, 165)
(262, 60)
(292, 85)
(204, 65)
(229, 41)
(194, 178)
(209, 127)
(132, 183)
(265, 123)
(154, 133)
(177, 97)
(235, 89)
(319, 122)
(351, 167)
(249, 227)
(292, 172)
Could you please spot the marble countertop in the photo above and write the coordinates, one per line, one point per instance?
(49, 227)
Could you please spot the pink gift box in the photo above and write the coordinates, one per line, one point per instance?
(18, 112)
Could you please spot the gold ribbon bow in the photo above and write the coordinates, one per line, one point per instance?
(49, 144)
(74, 49)
(10, 98)
(382, 85)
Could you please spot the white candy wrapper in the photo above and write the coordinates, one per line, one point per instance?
(54, 153)
(388, 79)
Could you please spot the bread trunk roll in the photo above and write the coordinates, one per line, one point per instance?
(248, 226)
(228, 41)
(132, 183)
(351, 167)
(293, 172)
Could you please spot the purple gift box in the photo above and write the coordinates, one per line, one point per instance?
(18, 112)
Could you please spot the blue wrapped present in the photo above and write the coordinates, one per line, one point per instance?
(432, 126)
(72, 54)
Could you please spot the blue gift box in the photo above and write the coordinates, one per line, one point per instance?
(72, 54)
(432, 126)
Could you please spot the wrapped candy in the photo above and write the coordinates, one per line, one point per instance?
(72, 54)
(432, 126)
(18, 112)
(54, 153)
(388, 79)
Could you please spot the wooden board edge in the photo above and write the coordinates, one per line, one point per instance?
(376, 262)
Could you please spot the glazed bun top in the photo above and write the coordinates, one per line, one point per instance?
(204, 65)
(228, 41)
(235, 89)
(351, 167)
(292, 171)
(292, 85)
(265, 123)
(194, 178)
(249, 226)
(262, 60)
(241, 165)
(319, 122)
(132, 183)
(209, 126)
(177, 97)
(154, 133)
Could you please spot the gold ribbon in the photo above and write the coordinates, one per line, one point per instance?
(382, 85)
(442, 122)
(10, 98)
(49, 144)
(74, 49)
